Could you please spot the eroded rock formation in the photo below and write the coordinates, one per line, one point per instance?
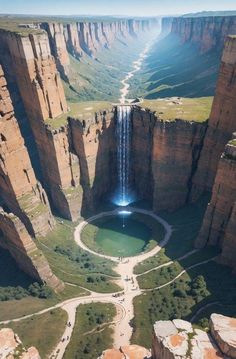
(221, 124)
(12, 347)
(165, 156)
(130, 351)
(218, 223)
(21, 246)
(21, 192)
(94, 142)
(208, 33)
(177, 339)
(223, 330)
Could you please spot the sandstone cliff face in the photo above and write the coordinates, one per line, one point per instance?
(89, 37)
(176, 150)
(94, 142)
(166, 25)
(165, 156)
(21, 246)
(178, 340)
(208, 33)
(129, 351)
(221, 123)
(58, 47)
(43, 96)
(12, 347)
(19, 188)
(143, 122)
(38, 80)
(219, 220)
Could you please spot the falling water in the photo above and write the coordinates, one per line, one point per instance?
(123, 196)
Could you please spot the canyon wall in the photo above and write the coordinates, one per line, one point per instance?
(80, 38)
(29, 258)
(165, 156)
(21, 192)
(219, 221)
(221, 123)
(218, 227)
(94, 142)
(43, 98)
(208, 33)
(166, 26)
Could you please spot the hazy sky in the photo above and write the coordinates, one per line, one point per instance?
(113, 7)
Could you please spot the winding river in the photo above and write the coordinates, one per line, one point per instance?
(136, 67)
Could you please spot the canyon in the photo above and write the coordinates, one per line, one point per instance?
(60, 158)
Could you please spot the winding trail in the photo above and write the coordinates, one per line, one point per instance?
(128, 281)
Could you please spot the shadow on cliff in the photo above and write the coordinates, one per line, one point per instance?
(96, 189)
(175, 69)
(11, 275)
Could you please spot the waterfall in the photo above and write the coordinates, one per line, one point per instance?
(123, 133)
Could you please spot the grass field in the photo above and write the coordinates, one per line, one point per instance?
(108, 236)
(42, 331)
(185, 224)
(174, 69)
(74, 265)
(92, 333)
(188, 109)
(184, 297)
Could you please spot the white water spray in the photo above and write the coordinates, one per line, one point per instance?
(123, 133)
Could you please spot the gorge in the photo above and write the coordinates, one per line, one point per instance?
(141, 147)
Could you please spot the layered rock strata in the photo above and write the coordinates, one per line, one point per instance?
(219, 220)
(208, 33)
(166, 25)
(58, 47)
(21, 192)
(43, 97)
(221, 124)
(165, 157)
(12, 347)
(94, 142)
(22, 248)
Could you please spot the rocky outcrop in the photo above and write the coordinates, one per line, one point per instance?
(177, 339)
(208, 33)
(21, 192)
(223, 330)
(130, 351)
(12, 347)
(22, 248)
(221, 124)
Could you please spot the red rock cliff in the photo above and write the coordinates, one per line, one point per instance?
(20, 190)
(219, 221)
(208, 33)
(23, 249)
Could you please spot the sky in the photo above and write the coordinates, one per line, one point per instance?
(113, 7)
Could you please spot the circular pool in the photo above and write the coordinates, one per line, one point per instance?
(123, 235)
